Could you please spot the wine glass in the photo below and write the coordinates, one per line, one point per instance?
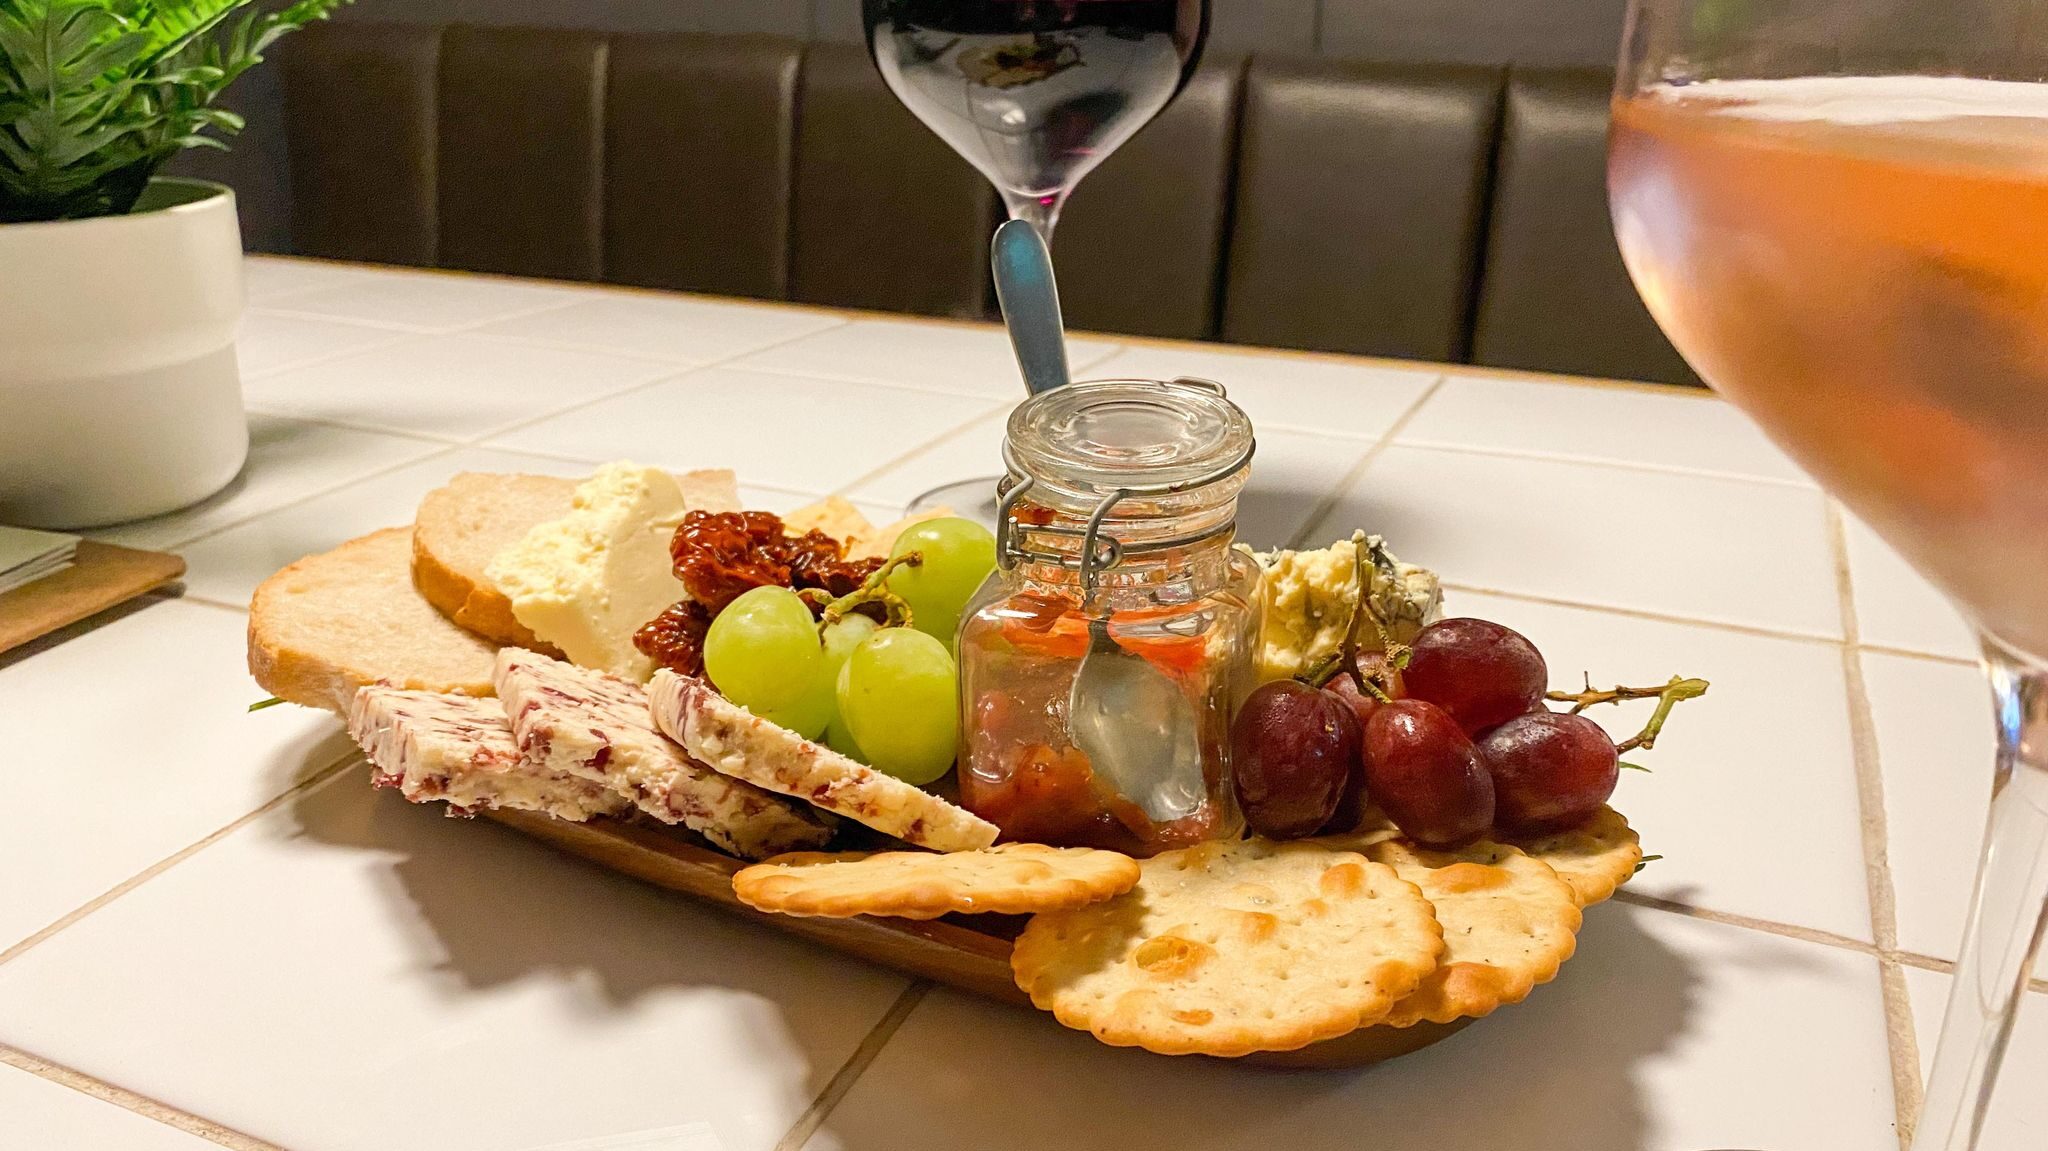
(1034, 94)
(1838, 211)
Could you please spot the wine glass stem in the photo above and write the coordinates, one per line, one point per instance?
(1042, 211)
(2007, 914)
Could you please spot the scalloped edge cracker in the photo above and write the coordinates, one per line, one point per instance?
(1227, 948)
(1595, 858)
(1509, 923)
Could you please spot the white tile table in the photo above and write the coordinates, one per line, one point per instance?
(233, 941)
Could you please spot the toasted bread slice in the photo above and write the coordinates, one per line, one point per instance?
(338, 621)
(461, 527)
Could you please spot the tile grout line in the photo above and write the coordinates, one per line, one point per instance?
(1752, 630)
(847, 489)
(1750, 923)
(127, 1100)
(1927, 656)
(1351, 477)
(1884, 919)
(680, 371)
(856, 1064)
(448, 447)
(1454, 448)
(72, 917)
(1948, 967)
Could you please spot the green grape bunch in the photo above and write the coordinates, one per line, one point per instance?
(884, 694)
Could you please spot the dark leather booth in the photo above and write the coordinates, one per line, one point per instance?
(1449, 213)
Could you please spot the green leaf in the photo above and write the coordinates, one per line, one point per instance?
(96, 94)
(260, 704)
(1645, 861)
(1627, 766)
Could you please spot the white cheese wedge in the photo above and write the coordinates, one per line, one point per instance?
(587, 581)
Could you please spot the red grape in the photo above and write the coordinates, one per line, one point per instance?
(1292, 749)
(1483, 674)
(1424, 772)
(1550, 770)
(1362, 705)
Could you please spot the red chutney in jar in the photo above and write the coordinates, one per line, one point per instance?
(1021, 770)
(1121, 498)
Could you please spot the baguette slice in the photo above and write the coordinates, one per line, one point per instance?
(465, 524)
(457, 748)
(335, 622)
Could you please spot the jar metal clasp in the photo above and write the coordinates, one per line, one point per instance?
(1098, 552)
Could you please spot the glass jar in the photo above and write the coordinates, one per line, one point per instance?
(1120, 502)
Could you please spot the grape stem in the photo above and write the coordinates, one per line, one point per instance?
(1667, 696)
(873, 589)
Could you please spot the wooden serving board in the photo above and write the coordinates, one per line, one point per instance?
(943, 950)
(100, 576)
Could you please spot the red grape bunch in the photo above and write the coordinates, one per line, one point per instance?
(1449, 736)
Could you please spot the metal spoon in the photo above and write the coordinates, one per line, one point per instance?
(1135, 725)
(1131, 720)
(1031, 304)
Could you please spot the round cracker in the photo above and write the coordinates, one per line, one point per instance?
(1595, 858)
(1227, 948)
(1509, 923)
(1013, 879)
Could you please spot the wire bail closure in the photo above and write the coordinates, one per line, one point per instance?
(1098, 552)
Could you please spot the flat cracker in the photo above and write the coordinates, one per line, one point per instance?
(1509, 923)
(833, 515)
(1012, 879)
(1595, 858)
(1226, 948)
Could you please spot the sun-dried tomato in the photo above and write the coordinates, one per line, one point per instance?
(675, 638)
(719, 555)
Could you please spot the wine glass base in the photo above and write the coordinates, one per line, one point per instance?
(969, 499)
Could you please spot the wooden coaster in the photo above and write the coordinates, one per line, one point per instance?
(100, 577)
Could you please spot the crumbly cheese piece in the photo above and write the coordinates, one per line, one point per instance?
(1307, 599)
(587, 581)
(584, 723)
(434, 746)
(737, 742)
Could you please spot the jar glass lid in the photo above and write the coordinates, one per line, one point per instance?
(1090, 438)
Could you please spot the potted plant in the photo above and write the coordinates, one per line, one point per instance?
(119, 289)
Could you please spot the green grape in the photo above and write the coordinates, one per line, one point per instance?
(957, 556)
(899, 698)
(841, 638)
(762, 653)
(841, 740)
(810, 713)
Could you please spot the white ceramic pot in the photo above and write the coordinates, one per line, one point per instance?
(119, 394)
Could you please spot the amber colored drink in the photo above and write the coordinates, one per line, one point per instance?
(1861, 263)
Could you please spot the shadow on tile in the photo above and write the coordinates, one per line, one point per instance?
(493, 907)
(1560, 1071)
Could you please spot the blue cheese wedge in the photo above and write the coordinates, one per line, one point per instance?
(458, 749)
(1307, 599)
(587, 581)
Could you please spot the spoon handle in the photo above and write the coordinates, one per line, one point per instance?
(1031, 304)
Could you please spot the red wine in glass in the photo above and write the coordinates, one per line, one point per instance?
(1035, 93)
